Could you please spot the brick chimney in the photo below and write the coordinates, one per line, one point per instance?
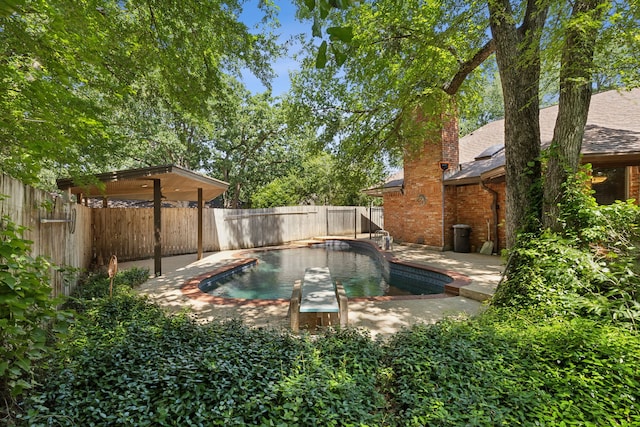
(416, 215)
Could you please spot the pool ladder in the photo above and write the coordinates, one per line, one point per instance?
(384, 239)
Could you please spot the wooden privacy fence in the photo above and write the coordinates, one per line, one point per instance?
(375, 220)
(60, 231)
(72, 235)
(128, 232)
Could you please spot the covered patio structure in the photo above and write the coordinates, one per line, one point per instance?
(158, 183)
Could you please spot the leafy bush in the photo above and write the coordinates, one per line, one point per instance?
(333, 383)
(459, 373)
(127, 363)
(590, 267)
(588, 369)
(507, 369)
(95, 285)
(28, 315)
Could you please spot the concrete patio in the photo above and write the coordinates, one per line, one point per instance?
(381, 318)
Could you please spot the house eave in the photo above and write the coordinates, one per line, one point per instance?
(178, 184)
(484, 176)
(380, 192)
(612, 159)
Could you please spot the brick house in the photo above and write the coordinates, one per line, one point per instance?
(462, 181)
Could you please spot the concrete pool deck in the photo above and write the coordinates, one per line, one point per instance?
(379, 317)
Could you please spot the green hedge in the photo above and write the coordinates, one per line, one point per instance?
(126, 363)
(506, 368)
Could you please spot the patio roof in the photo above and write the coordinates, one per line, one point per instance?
(166, 182)
(176, 183)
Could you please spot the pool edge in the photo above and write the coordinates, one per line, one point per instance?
(190, 288)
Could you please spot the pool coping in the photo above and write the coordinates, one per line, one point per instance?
(190, 288)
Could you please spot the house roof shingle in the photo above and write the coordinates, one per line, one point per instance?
(612, 135)
(393, 183)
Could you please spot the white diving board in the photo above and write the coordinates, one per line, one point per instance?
(318, 292)
(317, 301)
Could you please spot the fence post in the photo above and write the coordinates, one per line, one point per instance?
(157, 228)
(355, 223)
(327, 215)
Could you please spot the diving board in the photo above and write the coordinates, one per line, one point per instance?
(317, 301)
(318, 292)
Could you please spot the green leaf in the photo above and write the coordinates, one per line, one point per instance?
(325, 7)
(7, 279)
(24, 364)
(316, 29)
(321, 58)
(339, 55)
(344, 34)
(7, 7)
(311, 4)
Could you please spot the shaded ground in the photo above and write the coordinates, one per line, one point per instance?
(380, 317)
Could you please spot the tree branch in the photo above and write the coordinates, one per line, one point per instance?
(467, 67)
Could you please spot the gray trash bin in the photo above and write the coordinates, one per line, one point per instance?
(461, 238)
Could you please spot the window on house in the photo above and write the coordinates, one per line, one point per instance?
(609, 184)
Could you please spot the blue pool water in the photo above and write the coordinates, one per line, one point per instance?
(359, 269)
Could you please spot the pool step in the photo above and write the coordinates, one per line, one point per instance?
(477, 292)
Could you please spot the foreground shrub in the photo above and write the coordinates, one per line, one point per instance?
(459, 373)
(506, 369)
(28, 315)
(333, 384)
(588, 369)
(95, 285)
(128, 363)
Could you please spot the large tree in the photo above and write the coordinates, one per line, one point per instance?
(251, 145)
(518, 58)
(69, 72)
(577, 68)
(395, 56)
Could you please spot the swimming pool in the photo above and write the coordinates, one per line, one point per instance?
(362, 270)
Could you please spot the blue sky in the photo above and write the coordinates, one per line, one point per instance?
(288, 26)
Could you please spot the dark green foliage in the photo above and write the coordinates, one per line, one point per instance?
(586, 369)
(332, 384)
(127, 363)
(548, 270)
(28, 315)
(96, 285)
(459, 373)
(590, 268)
(506, 369)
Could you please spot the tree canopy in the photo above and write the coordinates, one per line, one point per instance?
(82, 81)
(387, 59)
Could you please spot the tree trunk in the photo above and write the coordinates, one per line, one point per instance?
(235, 202)
(518, 58)
(573, 107)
